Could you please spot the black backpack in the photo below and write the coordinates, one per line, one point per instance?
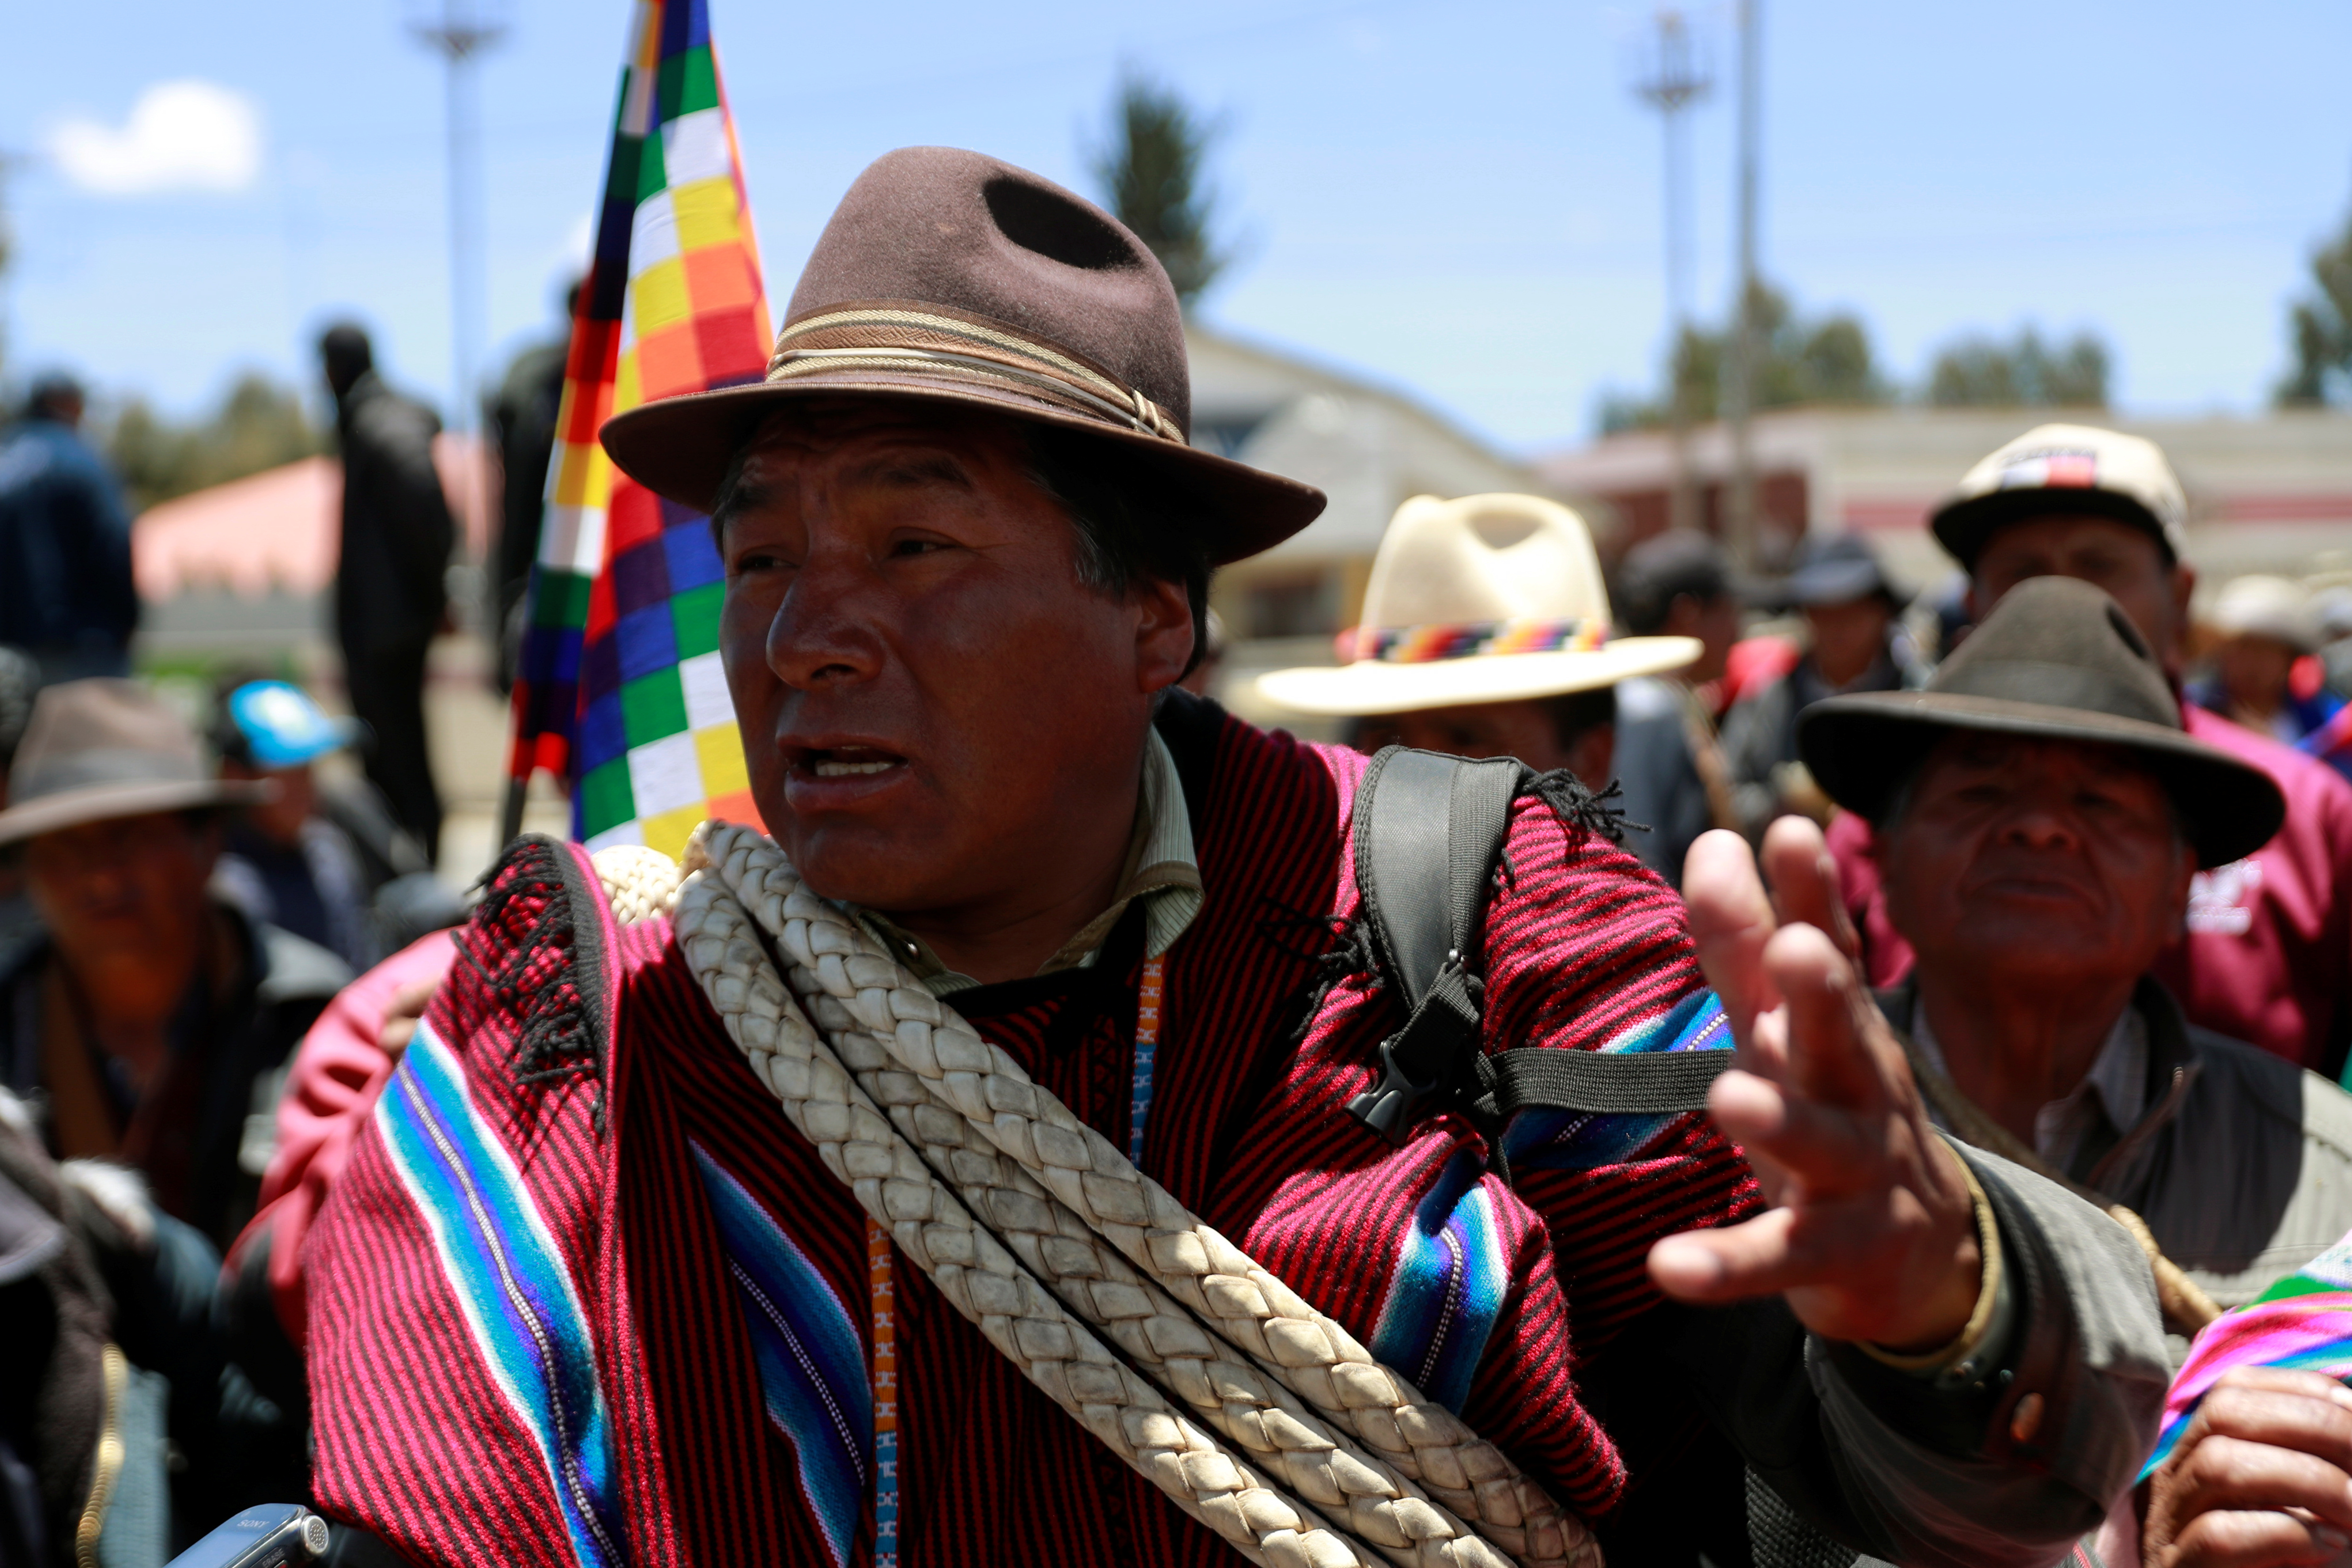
(1428, 841)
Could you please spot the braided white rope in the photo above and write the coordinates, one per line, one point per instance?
(1064, 1191)
(1328, 1469)
(973, 1270)
(639, 882)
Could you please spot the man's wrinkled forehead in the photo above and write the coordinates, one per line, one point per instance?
(866, 440)
(1995, 750)
(2046, 535)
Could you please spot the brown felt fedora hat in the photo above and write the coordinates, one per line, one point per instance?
(2057, 659)
(950, 276)
(99, 749)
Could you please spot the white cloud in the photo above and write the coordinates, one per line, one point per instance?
(181, 135)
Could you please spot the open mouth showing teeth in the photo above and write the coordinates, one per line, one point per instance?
(850, 763)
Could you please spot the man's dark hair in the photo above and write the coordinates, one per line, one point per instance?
(346, 352)
(1573, 714)
(1130, 529)
(52, 395)
(1663, 568)
(230, 743)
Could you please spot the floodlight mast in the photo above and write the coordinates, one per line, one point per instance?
(1675, 80)
(466, 30)
(1739, 361)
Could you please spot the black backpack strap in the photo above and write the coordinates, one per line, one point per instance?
(1609, 1083)
(1428, 836)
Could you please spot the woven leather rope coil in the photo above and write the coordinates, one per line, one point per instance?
(977, 1275)
(1299, 1397)
(639, 883)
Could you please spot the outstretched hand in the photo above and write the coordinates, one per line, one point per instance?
(1871, 1235)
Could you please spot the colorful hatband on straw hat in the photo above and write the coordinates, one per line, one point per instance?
(1492, 598)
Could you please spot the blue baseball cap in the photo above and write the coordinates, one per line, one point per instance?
(283, 726)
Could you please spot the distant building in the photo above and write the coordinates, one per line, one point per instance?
(2268, 494)
(1368, 448)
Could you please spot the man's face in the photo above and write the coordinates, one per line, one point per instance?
(2025, 857)
(1714, 622)
(927, 691)
(2256, 671)
(2124, 560)
(1848, 638)
(126, 894)
(279, 820)
(1524, 730)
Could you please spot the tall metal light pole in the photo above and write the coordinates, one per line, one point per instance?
(1740, 362)
(467, 29)
(1672, 81)
(9, 163)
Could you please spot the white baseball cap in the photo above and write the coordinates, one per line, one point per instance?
(2065, 468)
(2272, 607)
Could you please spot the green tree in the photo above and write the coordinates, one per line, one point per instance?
(1150, 173)
(2320, 326)
(1981, 372)
(259, 424)
(1801, 360)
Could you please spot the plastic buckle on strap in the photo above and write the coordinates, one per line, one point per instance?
(1388, 1108)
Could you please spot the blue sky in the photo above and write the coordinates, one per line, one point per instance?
(1461, 200)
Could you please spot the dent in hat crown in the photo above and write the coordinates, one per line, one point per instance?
(943, 226)
(1483, 559)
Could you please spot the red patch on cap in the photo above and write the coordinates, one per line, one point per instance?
(2071, 470)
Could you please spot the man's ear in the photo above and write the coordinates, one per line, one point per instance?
(1163, 633)
(2184, 587)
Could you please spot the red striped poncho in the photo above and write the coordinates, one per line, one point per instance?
(584, 1295)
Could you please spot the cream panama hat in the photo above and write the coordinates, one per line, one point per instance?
(1451, 616)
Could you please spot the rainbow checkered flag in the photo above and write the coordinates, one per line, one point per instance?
(619, 689)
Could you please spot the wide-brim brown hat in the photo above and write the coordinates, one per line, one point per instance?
(950, 277)
(100, 749)
(2057, 659)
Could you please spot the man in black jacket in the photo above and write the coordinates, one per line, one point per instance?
(66, 593)
(389, 597)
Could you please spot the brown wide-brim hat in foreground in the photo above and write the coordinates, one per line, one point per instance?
(950, 277)
(2057, 659)
(100, 749)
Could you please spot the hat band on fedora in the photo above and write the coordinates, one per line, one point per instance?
(103, 769)
(907, 340)
(1473, 639)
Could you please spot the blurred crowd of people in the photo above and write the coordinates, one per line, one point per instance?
(2094, 847)
(2093, 837)
(178, 904)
